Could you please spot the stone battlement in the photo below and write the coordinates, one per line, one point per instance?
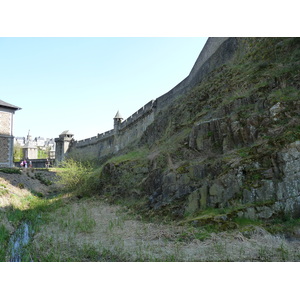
(94, 139)
(146, 109)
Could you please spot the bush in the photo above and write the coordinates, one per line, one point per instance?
(74, 175)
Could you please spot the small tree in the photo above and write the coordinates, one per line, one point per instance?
(18, 152)
(43, 153)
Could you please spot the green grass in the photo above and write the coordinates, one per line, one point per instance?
(42, 179)
(85, 222)
(286, 94)
(241, 222)
(10, 170)
(130, 156)
(4, 238)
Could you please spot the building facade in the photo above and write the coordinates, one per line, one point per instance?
(6, 133)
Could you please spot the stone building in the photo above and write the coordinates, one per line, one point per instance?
(30, 149)
(6, 133)
(30, 146)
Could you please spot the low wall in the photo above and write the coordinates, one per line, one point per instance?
(37, 163)
(216, 52)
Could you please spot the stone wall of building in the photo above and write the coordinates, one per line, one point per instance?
(4, 151)
(5, 122)
(216, 52)
(6, 140)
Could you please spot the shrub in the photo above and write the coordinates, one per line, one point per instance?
(74, 175)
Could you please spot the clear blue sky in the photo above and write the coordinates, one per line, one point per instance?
(78, 84)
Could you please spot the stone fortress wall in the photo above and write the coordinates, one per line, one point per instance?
(216, 52)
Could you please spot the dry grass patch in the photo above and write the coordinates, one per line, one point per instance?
(10, 195)
(97, 231)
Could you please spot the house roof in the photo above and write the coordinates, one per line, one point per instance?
(5, 104)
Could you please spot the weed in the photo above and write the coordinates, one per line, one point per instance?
(284, 94)
(246, 222)
(283, 252)
(89, 253)
(21, 186)
(42, 179)
(130, 156)
(183, 169)
(3, 192)
(264, 254)
(37, 194)
(244, 152)
(85, 223)
(4, 238)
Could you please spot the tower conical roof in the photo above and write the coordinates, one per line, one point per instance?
(118, 116)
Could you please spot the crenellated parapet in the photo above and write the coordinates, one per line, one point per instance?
(95, 139)
(141, 113)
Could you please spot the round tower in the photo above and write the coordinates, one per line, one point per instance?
(117, 122)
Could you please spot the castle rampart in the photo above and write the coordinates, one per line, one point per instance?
(216, 52)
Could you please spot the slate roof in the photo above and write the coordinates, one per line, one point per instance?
(5, 104)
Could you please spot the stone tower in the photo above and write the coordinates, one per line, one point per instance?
(117, 122)
(62, 145)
